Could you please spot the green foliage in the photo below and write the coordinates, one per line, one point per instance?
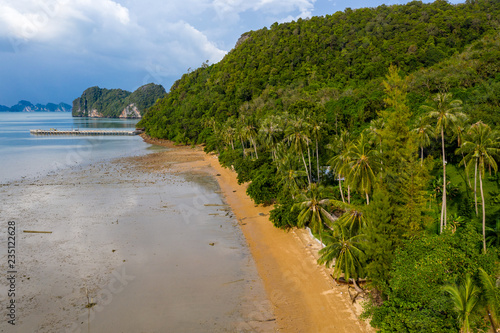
(263, 189)
(339, 60)
(283, 215)
(111, 102)
(419, 270)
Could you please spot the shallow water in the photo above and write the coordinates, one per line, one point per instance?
(156, 252)
(27, 155)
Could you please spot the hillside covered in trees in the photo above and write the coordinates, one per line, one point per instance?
(113, 103)
(376, 128)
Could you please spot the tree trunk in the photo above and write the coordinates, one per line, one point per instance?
(475, 187)
(421, 155)
(340, 186)
(309, 159)
(367, 198)
(317, 159)
(443, 215)
(484, 210)
(349, 194)
(255, 149)
(243, 145)
(305, 165)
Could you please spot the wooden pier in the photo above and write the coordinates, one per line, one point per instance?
(83, 132)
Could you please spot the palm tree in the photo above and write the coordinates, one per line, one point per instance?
(312, 210)
(424, 132)
(297, 136)
(374, 132)
(481, 146)
(340, 161)
(491, 295)
(344, 248)
(363, 161)
(353, 219)
(228, 133)
(465, 298)
(446, 112)
(287, 169)
(270, 131)
(317, 127)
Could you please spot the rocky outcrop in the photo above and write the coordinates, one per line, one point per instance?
(117, 103)
(131, 111)
(95, 114)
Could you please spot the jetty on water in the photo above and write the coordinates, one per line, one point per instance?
(53, 131)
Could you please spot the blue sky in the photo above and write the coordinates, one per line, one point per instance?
(52, 50)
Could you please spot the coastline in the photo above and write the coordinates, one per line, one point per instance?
(303, 296)
(129, 245)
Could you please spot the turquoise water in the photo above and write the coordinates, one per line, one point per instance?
(23, 155)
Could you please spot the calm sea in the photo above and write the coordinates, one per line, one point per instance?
(23, 155)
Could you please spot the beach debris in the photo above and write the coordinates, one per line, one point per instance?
(90, 301)
(230, 282)
(211, 244)
(262, 214)
(215, 205)
(37, 232)
(218, 175)
(113, 251)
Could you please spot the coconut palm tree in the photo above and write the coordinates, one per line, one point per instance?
(424, 132)
(289, 176)
(481, 147)
(340, 161)
(317, 127)
(345, 250)
(353, 219)
(270, 131)
(465, 297)
(446, 112)
(297, 136)
(363, 161)
(491, 295)
(313, 210)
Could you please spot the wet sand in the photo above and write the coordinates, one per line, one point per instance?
(151, 240)
(303, 295)
(133, 247)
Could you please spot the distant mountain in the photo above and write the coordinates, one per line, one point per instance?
(26, 106)
(117, 103)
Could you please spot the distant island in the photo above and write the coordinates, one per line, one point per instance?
(98, 102)
(26, 106)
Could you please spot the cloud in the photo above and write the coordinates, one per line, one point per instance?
(121, 43)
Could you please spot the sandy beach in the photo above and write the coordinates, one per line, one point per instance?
(165, 242)
(303, 295)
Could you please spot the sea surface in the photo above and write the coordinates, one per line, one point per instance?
(154, 251)
(24, 155)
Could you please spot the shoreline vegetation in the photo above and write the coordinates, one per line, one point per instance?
(303, 294)
(377, 128)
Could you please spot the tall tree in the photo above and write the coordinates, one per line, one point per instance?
(345, 249)
(297, 136)
(424, 132)
(363, 161)
(313, 210)
(340, 161)
(447, 112)
(481, 147)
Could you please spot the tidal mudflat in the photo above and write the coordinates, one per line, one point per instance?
(130, 247)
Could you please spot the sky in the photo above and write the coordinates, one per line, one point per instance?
(52, 50)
